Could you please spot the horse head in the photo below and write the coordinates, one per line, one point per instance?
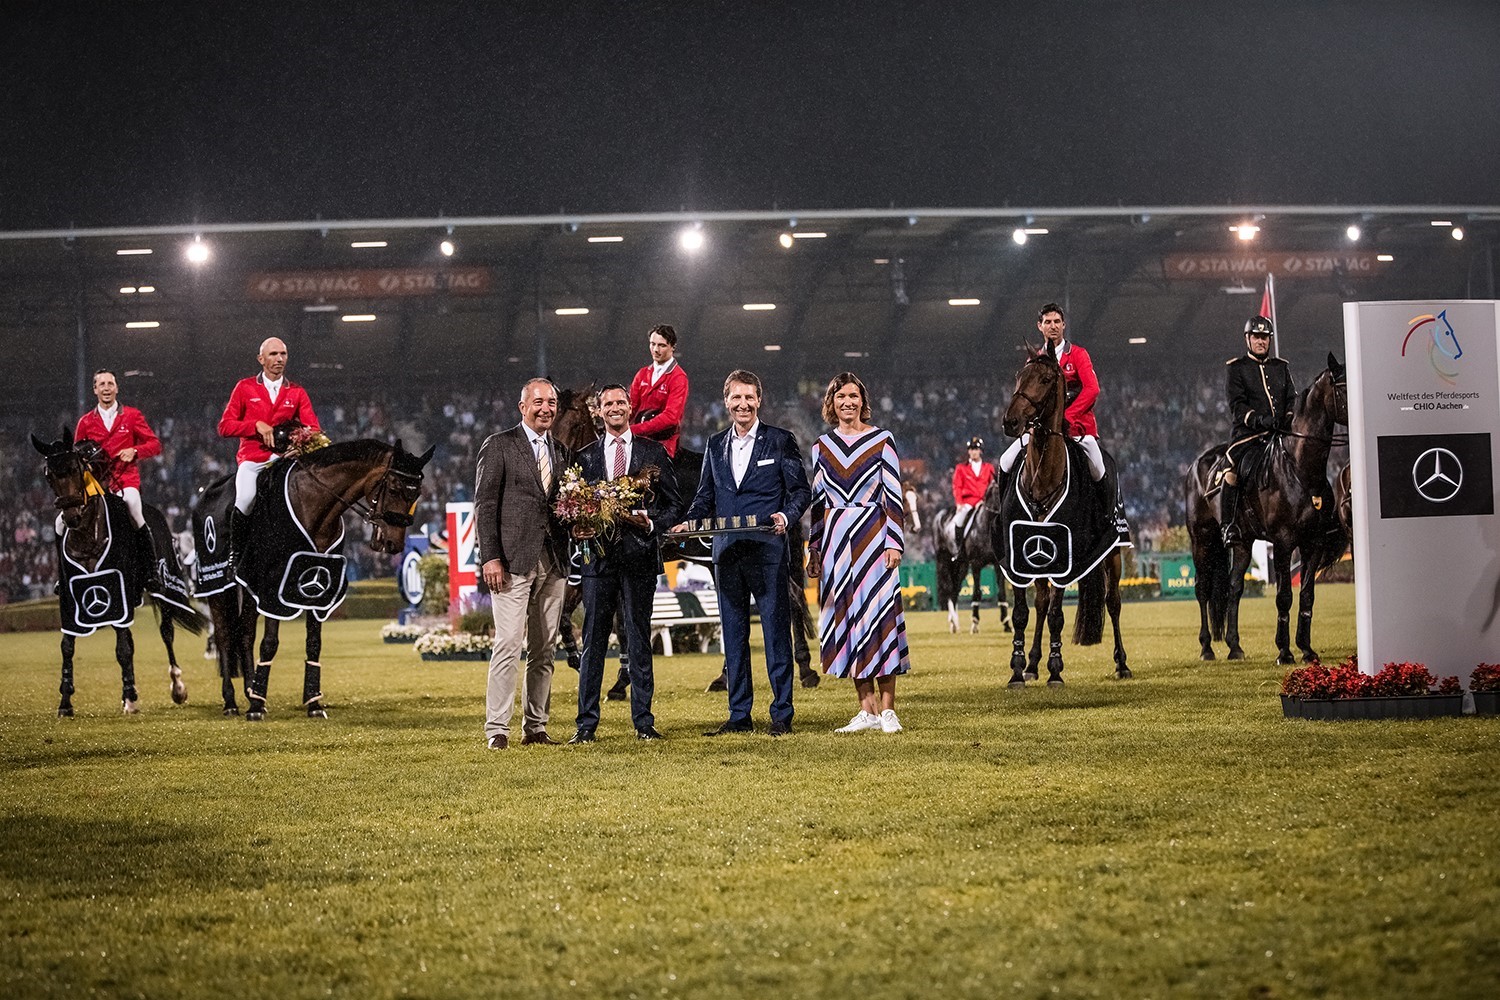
(68, 474)
(393, 501)
(577, 424)
(1340, 379)
(1037, 399)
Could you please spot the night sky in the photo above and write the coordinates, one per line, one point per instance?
(133, 114)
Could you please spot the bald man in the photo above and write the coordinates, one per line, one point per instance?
(255, 408)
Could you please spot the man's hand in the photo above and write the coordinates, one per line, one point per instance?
(814, 565)
(580, 532)
(267, 433)
(778, 523)
(678, 528)
(892, 558)
(495, 576)
(636, 519)
(126, 455)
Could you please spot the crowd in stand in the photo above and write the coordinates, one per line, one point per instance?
(1154, 426)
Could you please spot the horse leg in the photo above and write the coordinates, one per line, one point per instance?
(1020, 615)
(1004, 608)
(953, 616)
(256, 689)
(1284, 605)
(571, 598)
(225, 649)
(1055, 628)
(312, 669)
(1203, 589)
(1112, 603)
(974, 602)
(797, 602)
(1043, 606)
(1239, 558)
(168, 634)
(620, 690)
(125, 657)
(1305, 610)
(65, 688)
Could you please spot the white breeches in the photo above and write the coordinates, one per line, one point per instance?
(1008, 459)
(132, 498)
(1090, 448)
(244, 484)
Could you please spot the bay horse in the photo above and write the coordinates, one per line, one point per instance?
(577, 427)
(380, 481)
(102, 572)
(1062, 530)
(976, 551)
(1285, 500)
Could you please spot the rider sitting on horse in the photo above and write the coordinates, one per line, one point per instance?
(1261, 398)
(971, 479)
(1082, 390)
(124, 438)
(659, 392)
(256, 407)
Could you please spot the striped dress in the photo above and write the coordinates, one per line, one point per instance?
(857, 513)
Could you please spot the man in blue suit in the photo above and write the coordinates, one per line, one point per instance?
(623, 572)
(752, 469)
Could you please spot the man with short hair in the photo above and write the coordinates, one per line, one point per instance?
(523, 560)
(622, 573)
(1261, 400)
(124, 436)
(256, 407)
(752, 469)
(659, 393)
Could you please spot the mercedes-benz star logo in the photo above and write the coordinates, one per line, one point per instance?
(1039, 550)
(1437, 474)
(95, 601)
(210, 534)
(314, 582)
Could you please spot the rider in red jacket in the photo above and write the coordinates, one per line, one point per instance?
(123, 434)
(659, 392)
(255, 408)
(971, 479)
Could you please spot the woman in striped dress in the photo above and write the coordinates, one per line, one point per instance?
(856, 546)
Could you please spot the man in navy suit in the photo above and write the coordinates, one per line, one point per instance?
(623, 570)
(753, 469)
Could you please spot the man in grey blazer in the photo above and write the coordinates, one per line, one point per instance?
(523, 558)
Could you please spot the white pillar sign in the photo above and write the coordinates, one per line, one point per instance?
(1424, 429)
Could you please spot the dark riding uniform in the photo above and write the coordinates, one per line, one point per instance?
(1261, 401)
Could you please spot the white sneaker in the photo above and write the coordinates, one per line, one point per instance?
(862, 721)
(888, 721)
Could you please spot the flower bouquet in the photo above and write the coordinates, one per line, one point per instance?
(1398, 691)
(598, 507)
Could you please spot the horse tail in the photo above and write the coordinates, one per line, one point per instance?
(189, 621)
(802, 618)
(1217, 566)
(1088, 619)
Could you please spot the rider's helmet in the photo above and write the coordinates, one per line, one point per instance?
(976, 442)
(1258, 326)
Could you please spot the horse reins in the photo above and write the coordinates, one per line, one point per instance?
(371, 511)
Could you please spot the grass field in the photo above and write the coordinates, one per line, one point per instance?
(1166, 836)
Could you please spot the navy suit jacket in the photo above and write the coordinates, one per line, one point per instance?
(631, 548)
(775, 481)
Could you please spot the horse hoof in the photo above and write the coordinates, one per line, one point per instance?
(1123, 674)
(1016, 685)
(953, 628)
(810, 680)
(1032, 675)
(1235, 654)
(1308, 656)
(575, 661)
(974, 628)
(614, 694)
(65, 711)
(231, 710)
(129, 707)
(255, 715)
(317, 712)
(1285, 659)
(1054, 682)
(717, 684)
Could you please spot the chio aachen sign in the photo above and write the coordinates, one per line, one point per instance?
(1424, 426)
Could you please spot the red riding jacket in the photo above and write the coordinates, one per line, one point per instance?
(665, 400)
(130, 431)
(1078, 369)
(251, 402)
(969, 488)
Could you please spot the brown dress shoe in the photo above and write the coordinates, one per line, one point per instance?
(540, 736)
(498, 742)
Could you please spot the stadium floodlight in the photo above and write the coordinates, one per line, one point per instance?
(691, 238)
(1442, 222)
(1457, 232)
(1353, 233)
(358, 317)
(772, 347)
(133, 252)
(369, 244)
(1384, 258)
(785, 239)
(1136, 340)
(606, 239)
(809, 236)
(856, 354)
(572, 311)
(758, 306)
(320, 307)
(127, 290)
(144, 289)
(447, 248)
(963, 302)
(1245, 231)
(197, 251)
(1020, 237)
(142, 324)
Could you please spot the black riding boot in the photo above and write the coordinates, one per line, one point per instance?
(1229, 510)
(146, 550)
(239, 536)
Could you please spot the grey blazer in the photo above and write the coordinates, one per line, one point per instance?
(512, 515)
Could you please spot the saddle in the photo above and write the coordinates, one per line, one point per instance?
(1251, 466)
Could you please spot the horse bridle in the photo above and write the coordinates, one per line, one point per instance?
(371, 509)
(91, 486)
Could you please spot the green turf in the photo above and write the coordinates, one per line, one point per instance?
(1166, 836)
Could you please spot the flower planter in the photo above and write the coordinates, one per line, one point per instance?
(1431, 706)
(444, 657)
(405, 639)
(1486, 702)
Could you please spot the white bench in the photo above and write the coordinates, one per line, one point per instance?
(696, 608)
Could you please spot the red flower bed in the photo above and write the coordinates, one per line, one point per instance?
(1486, 677)
(1317, 682)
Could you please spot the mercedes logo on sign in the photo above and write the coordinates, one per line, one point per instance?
(95, 601)
(210, 534)
(1039, 551)
(1437, 475)
(314, 582)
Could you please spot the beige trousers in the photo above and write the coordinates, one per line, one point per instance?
(525, 615)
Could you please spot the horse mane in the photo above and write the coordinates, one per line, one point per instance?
(361, 450)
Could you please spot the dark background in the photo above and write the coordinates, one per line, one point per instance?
(134, 114)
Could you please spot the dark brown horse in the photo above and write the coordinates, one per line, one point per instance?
(102, 572)
(1051, 495)
(1288, 502)
(381, 482)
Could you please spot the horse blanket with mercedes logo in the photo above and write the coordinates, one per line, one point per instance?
(93, 597)
(1062, 542)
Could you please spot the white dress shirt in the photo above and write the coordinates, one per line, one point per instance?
(739, 451)
(611, 444)
(110, 415)
(273, 388)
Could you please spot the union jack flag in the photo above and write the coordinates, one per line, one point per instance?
(463, 556)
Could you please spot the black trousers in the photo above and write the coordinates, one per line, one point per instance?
(632, 592)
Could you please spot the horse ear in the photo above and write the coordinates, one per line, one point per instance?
(1333, 364)
(67, 436)
(400, 448)
(39, 445)
(427, 455)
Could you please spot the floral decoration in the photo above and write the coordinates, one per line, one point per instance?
(1486, 677)
(442, 643)
(1318, 682)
